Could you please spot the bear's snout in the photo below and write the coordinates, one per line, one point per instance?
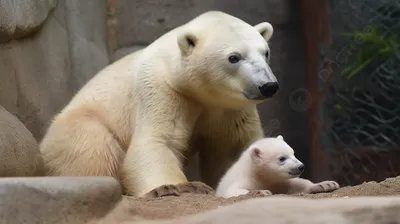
(257, 92)
(269, 89)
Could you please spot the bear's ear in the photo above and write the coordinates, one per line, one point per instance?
(280, 137)
(186, 42)
(255, 153)
(265, 29)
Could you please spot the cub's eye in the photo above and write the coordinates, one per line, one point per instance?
(234, 59)
(282, 159)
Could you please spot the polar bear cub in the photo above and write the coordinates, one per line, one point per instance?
(270, 167)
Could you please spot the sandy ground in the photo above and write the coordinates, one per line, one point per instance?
(172, 206)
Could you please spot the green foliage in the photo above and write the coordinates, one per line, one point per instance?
(374, 47)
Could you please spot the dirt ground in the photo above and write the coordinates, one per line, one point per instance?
(172, 206)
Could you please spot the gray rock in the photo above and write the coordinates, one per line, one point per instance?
(23, 17)
(152, 18)
(39, 74)
(57, 199)
(122, 52)
(19, 151)
(87, 32)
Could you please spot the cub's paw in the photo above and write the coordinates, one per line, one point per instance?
(324, 186)
(263, 193)
(194, 187)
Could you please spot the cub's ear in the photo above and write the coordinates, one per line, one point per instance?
(280, 137)
(265, 29)
(186, 42)
(255, 153)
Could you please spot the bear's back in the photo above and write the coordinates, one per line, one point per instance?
(110, 86)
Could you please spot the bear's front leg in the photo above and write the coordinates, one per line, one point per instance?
(222, 144)
(153, 165)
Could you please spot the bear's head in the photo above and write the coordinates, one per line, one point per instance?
(225, 61)
(275, 159)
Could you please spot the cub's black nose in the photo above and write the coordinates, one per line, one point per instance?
(269, 89)
(301, 168)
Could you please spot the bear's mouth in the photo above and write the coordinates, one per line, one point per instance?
(252, 96)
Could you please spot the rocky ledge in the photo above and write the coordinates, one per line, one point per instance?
(99, 200)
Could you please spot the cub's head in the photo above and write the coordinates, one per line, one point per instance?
(275, 159)
(226, 61)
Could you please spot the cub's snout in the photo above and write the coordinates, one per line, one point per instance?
(297, 171)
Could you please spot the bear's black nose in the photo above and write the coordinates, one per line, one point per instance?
(301, 168)
(269, 89)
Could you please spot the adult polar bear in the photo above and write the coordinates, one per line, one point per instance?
(193, 89)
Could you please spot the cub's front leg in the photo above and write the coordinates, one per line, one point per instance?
(324, 186)
(300, 185)
(153, 163)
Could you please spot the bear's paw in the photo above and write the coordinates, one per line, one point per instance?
(263, 193)
(194, 187)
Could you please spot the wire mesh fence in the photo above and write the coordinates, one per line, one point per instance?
(360, 85)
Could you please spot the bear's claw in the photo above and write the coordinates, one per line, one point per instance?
(324, 186)
(195, 187)
(263, 193)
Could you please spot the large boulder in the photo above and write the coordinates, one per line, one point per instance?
(19, 151)
(23, 17)
(40, 73)
(58, 200)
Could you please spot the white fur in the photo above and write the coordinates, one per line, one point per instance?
(259, 168)
(140, 118)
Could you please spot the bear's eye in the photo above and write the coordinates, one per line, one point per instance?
(282, 159)
(234, 59)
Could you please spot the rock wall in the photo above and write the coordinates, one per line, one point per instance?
(153, 18)
(48, 50)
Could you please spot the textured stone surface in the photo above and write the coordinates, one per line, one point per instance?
(19, 151)
(23, 17)
(57, 199)
(153, 18)
(40, 74)
(121, 52)
(280, 210)
(87, 32)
